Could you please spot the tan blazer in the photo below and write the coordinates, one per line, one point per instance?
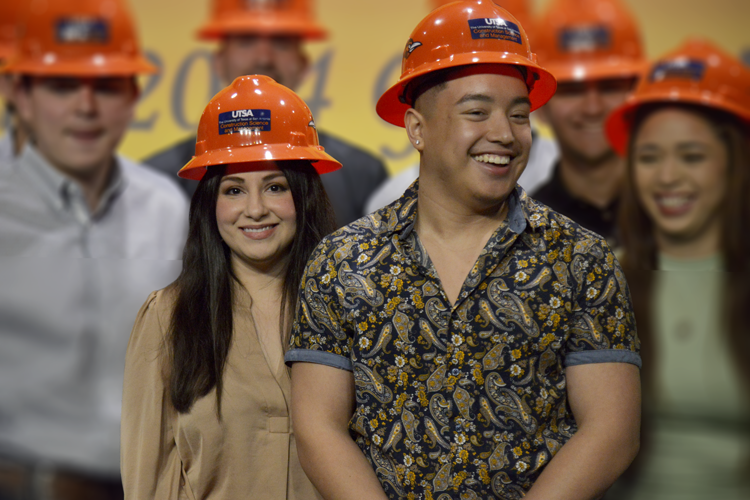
(250, 454)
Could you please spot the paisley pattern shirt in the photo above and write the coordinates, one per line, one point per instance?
(464, 400)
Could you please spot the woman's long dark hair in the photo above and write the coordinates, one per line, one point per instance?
(640, 252)
(200, 332)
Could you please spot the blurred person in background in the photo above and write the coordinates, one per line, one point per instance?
(265, 37)
(85, 235)
(685, 223)
(13, 139)
(593, 47)
(543, 153)
(206, 397)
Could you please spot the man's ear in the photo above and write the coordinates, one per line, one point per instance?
(22, 100)
(414, 122)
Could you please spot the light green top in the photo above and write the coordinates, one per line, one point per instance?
(698, 441)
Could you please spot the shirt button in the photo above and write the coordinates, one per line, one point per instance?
(455, 372)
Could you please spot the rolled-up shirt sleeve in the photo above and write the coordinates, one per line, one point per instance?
(320, 332)
(602, 326)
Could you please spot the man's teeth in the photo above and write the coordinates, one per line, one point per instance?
(256, 230)
(495, 159)
(673, 201)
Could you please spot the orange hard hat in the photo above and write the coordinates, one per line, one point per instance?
(77, 38)
(254, 121)
(698, 72)
(9, 15)
(262, 17)
(589, 40)
(521, 10)
(459, 34)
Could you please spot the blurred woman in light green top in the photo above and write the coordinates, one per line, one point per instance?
(685, 227)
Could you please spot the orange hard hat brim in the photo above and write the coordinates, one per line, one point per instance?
(618, 126)
(597, 70)
(257, 158)
(262, 25)
(107, 66)
(391, 109)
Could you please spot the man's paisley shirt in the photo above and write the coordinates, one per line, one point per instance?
(465, 400)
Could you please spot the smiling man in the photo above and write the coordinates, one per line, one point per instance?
(465, 341)
(85, 235)
(593, 48)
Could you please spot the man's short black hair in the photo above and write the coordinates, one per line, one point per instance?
(438, 80)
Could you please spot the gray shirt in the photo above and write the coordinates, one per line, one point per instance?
(71, 284)
(6, 146)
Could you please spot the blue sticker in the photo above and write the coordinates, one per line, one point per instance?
(232, 122)
(82, 30)
(684, 69)
(585, 39)
(498, 29)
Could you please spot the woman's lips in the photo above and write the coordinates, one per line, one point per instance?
(258, 232)
(674, 205)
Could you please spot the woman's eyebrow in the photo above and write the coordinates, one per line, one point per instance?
(273, 175)
(232, 178)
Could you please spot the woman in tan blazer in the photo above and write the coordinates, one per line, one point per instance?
(206, 396)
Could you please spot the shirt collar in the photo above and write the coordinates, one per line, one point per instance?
(59, 189)
(518, 211)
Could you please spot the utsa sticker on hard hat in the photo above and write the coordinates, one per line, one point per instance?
(497, 28)
(252, 122)
(82, 30)
(680, 69)
(232, 122)
(585, 39)
(520, 9)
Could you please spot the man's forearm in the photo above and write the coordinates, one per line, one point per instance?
(322, 404)
(585, 467)
(605, 400)
(337, 467)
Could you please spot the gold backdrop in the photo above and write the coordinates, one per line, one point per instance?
(359, 60)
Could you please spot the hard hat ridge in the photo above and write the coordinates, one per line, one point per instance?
(262, 17)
